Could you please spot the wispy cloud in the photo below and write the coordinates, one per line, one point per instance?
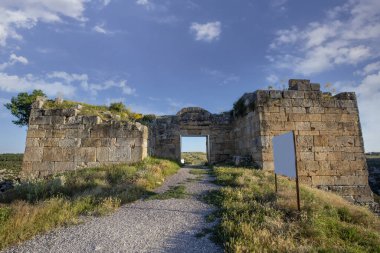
(220, 77)
(346, 36)
(369, 69)
(13, 59)
(206, 32)
(279, 5)
(368, 93)
(100, 29)
(145, 3)
(14, 84)
(26, 14)
(60, 82)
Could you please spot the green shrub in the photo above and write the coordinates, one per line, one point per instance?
(117, 107)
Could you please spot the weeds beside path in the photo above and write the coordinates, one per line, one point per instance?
(168, 223)
(256, 219)
(36, 207)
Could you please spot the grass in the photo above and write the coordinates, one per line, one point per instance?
(95, 110)
(194, 158)
(256, 219)
(10, 166)
(36, 207)
(176, 192)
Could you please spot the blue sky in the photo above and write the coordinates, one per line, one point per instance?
(193, 144)
(160, 56)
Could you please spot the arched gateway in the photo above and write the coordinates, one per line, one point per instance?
(166, 133)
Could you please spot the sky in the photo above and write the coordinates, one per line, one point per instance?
(193, 144)
(158, 56)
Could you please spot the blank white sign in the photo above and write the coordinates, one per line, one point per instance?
(284, 156)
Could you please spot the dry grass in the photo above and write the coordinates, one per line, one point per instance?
(95, 110)
(194, 158)
(37, 207)
(256, 219)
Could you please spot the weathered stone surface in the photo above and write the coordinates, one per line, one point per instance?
(33, 154)
(329, 143)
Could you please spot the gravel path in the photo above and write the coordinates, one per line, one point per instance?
(143, 226)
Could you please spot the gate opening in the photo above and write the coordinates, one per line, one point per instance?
(194, 150)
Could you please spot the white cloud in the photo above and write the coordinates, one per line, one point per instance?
(14, 84)
(206, 32)
(60, 82)
(100, 29)
(346, 36)
(146, 3)
(368, 93)
(25, 14)
(82, 80)
(13, 59)
(369, 69)
(125, 88)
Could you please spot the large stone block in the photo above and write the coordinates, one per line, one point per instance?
(57, 154)
(40, 120)
(33, 154)
(32, 142)
(69, 143)
(299, 84)
(36, 133)
(120, 154)
(323, 180)
(85, 154)
(60, 167)
(102, 154)
(321, 140)
(293, 94)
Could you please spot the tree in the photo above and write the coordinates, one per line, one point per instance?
(21, 106)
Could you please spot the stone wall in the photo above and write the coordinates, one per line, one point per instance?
(330, 150)
(60, 140)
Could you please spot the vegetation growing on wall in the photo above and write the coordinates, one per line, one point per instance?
(255, 219)
(116, 111)
(239, 108)
(36, 207)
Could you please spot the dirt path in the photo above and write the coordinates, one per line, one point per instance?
(169, 225)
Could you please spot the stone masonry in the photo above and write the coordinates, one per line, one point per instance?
(330, 149)
(60, 140)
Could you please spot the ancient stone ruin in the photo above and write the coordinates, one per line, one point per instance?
(330, 150)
